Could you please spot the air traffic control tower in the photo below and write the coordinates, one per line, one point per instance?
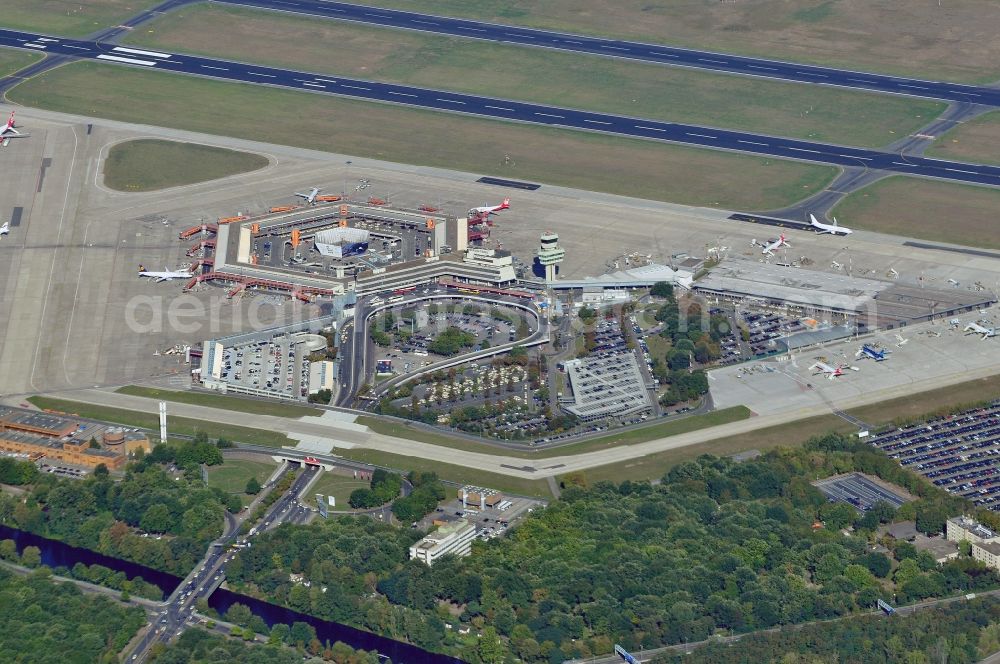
(550, 254)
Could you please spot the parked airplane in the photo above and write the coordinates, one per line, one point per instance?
(832, 229)
(902, 340)
(8, 131)
(771, 246)
(823, 368)
(487, 210)
(166, 275)
(5, 228)
(873, 353)
(976, 328)
(311, 196)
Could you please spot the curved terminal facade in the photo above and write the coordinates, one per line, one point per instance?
(342, 242)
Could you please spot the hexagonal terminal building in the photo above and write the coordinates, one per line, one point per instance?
(342, 242)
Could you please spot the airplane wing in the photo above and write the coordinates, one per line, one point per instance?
(159, 279)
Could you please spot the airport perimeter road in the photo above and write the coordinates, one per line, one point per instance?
(504, 109)
(667, 55)
(347, 437)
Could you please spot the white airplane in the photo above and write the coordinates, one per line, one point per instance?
(5, 228)
(770, 247)
(832, 229)
(487, 210)
(166, 275)
(976, 328)
(311, 196)
(823, 368)
(902, 340)
(8, 131)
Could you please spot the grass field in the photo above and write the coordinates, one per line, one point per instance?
(644, 169)
(976, 141)
(233, 475)
(257, 407)
(641, 435)
(177, 425)
(941, 211)
(927, 38)
(794, 434)
(538, 75)
(12, 60)
(73, 18)
(451, 472)
(151, 164)
(340, 487)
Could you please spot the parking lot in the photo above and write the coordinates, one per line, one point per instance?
(959, 453)
(279, 367)
(490, 522)
(859, 491)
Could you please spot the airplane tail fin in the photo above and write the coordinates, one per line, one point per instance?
(835, 222)
(142, 268)
(10, 121)
(505, 204)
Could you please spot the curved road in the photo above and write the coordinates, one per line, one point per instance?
(504, 109)
(630, 50)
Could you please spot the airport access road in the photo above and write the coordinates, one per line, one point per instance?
(510, 110)
(654, 53)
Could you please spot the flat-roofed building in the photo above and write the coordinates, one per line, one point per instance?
(987, 553)
(960, 528)
(607, 386)
(454, 538)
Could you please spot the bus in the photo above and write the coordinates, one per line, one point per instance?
(395, 298)
(404, 290)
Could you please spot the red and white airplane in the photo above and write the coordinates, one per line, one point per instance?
(777, 244)
(8, 131)
(487, 210)
(823, 368)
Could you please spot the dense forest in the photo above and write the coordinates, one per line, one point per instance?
(959, 633)
(55, 623)
(717, 547)
(196, 646)
(155, 516)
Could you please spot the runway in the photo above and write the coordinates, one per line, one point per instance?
(505, 109)
(654, 53)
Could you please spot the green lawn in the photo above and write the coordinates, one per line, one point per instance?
(976, 141)
(232, 476)
(538, 75)
(644, 169)
(338, 486)
(12, 60)
(632, 436)
(150, 164)
(924, 209)
(176, 425)
(73, 18)
(255, 406)
(450, 472)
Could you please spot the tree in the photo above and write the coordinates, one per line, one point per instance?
(491, 650)
(157, 519)
(101, 470)
(662, 289)
(93, 444)
(31, 556)
(253, 486)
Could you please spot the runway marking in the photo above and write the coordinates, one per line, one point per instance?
(46, 39)
(314, 85)
(958, 170)
(325, 80)
(804, 150)
(378, 15)
(79, 48)
(751, 142)
(568, 41)
(963, 92)
(600, 122)
(356, 87)
(549, 115)
(135, 51)
(614, 48)
(718, 62)
(401, 94)
(282, 2)
(424, 22)
(810, 73)
(211, 67)
(514, 34)
(662, 55)
(861, 80)
(765, 68)
(500, 108)
(131, 61)
(903, 163)
(851, 156)
(462, 27)
(701, 135)
(258, 73)
(649, 128)
(452, 101)
(915, 87)
(34, 45)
